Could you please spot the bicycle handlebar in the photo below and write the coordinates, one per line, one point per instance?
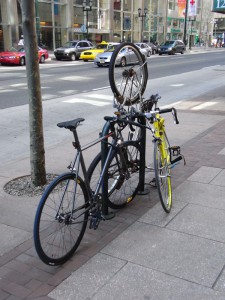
(174, 113)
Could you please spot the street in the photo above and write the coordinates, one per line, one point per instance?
(64, 78)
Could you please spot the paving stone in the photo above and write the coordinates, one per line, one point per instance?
(86, 281)
(219, 179)
(200, 193)
(220, 284)
(201, 221)
(137, 282)
(205, 174)
(157, 216)
(181, 255)
(11, 237)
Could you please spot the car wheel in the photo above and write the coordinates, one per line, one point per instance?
(160, 53)
(22, 61)
(58, 58)
(42, 59)
(123, 62)
(182, 52)
(73, 56)
(149, 54)
(85, 60)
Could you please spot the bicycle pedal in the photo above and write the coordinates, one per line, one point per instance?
(175, 150)
(176, 160)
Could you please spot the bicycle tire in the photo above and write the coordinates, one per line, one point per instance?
(128, 80)
(56, 236)
(121, 182)
(163, 174)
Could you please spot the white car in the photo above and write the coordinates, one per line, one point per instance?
(145, 47)
(124, 57)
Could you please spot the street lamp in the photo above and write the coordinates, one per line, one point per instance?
(142, 16)
(87, 8)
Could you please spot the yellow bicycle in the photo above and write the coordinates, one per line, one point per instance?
(165, 156)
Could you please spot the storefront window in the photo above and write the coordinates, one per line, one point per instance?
(45, 14)
(60, 15)
(127, 5)
(117, 21)
(117, 5)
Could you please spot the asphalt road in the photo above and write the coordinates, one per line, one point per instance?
(64, 78)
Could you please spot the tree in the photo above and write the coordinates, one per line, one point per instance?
(37, 152)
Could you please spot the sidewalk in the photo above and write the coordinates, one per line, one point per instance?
(142, 253)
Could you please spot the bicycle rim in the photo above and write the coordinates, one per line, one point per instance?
(128, 74)
(121, 183)
(163, 174)
(61, 219)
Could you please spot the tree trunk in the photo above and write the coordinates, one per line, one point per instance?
(37, 152)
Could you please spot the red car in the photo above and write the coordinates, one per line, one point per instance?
(17, 57)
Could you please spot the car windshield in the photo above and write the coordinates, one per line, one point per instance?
(21, 50)
(12, 49)
(69, 44)
(101, 46)
(111, 48)
(167, 43)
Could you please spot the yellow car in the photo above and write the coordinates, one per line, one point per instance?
(92, 53)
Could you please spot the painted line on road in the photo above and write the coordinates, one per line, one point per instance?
(101, 88)
(86, 101)
(177, 84)
(204, 105)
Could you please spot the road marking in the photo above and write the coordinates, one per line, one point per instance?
(18, 84)
(7, 90)
(87, 101)
(76, 78)
(204, 105)
(177, 84)
(99, 96)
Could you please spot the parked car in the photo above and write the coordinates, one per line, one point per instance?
(145, 47)
(172, 47)
(72, 50)
(91, 54)
(124, 57)
(103, 59)
(17, 56)
(154, 48)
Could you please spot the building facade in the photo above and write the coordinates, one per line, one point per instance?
(58, 21)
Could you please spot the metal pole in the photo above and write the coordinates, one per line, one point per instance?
(185, 23)
(87, 23)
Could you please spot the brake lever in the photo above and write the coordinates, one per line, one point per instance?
(174, 113)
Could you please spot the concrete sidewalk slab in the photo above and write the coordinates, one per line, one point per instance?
(132, 281)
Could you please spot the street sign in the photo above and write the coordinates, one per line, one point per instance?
(83, 28)
(219, 6)
(192, 9)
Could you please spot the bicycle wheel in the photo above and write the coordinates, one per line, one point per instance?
(121, 182)
(162, 173)
(128, 73)
(61, 219)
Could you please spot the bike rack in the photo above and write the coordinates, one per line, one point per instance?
(104, 152)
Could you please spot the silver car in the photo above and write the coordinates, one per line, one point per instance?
(124, 57)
